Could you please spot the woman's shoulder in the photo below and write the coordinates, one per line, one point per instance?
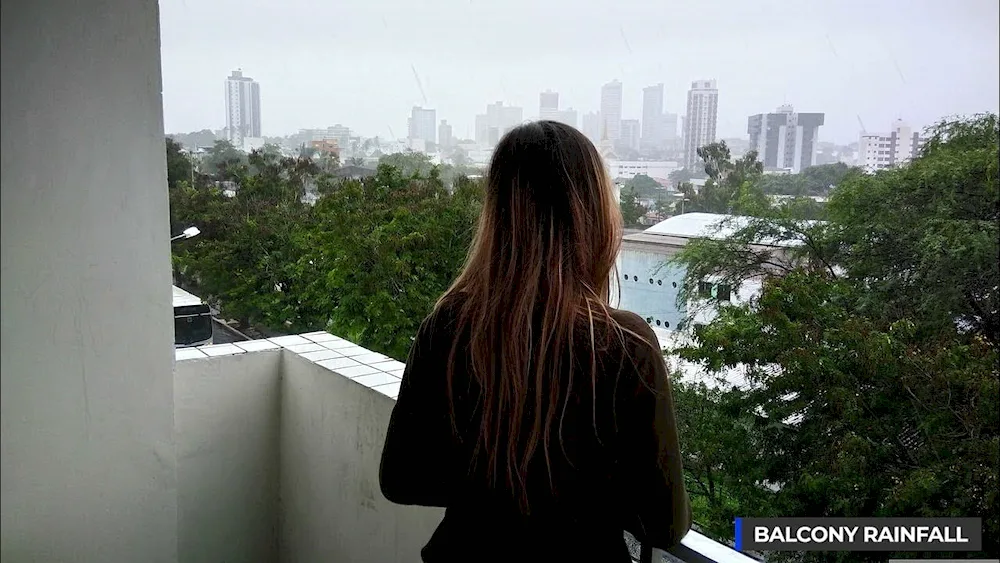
(635, 327)
(442, 320)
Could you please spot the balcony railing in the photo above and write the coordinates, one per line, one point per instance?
(278, 446)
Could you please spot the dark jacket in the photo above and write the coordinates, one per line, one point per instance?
(617, 466)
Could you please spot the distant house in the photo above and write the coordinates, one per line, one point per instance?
(353, 172)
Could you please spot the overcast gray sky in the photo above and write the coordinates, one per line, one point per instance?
(320, 63)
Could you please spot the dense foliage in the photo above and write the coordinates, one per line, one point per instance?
(812, 181)
(870, 353)
(367, 261)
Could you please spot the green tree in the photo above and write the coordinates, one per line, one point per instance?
(388, 246)
(409, 164)
(680, 176)
(870, 354)
(179, 165)
(732, 186)
(645, 186)
(246, 257)
(367, 261)
(813, 181)
(222, 158)
(631, 208)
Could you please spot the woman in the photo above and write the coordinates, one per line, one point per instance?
(539, 417)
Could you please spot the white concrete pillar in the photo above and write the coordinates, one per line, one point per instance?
(88, 458)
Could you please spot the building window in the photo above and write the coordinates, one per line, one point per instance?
(704, 289)
(650, 281)
(657, 323)
(659, 282)
(723, 292)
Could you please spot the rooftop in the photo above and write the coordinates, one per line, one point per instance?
(702, 225)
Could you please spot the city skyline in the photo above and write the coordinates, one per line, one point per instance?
(920, 60)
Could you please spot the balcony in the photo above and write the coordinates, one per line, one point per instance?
(116, 448)
(278, 446)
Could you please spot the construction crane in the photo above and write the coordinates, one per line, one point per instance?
(862, 124)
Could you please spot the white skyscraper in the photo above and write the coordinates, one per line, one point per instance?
(630, 134)
(700, 121)
(423, 124)
(878, 151)
(242, 108)
(611, 110)
(567, 116)
(497, 120)
(653, 134)
(592, 127)
(669, 127)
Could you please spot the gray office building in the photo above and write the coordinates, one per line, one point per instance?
(785, 140)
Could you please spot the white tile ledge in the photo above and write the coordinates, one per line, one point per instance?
(370, 369)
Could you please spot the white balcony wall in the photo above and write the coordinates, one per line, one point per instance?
(332, 433)
(228, 423)
(88, 457)
(278, 456)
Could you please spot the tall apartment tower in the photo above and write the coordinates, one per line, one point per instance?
(653, 134)
(611, 111)
(242, 108)
(592, 126)
(785, 140)
(630, 138)
(701, 120)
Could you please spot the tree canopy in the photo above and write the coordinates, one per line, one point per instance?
(367, 261)
(870, 352)
(631, 208)
(812, 181)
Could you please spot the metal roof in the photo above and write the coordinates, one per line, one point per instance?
(707, 225)
(185, 299)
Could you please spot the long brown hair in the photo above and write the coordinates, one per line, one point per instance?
(536, 281)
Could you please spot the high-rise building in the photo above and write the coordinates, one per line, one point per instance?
(497, 120)
(630, 134)
(242, 108)
(653, 134)
(592, 126)
(611, 110)
(785, 140)
(700, 120)
(567, 116)
(444, 134)
(668, 127)
(548, 105)
(548, 108)
(878, 151)
(423, 124)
